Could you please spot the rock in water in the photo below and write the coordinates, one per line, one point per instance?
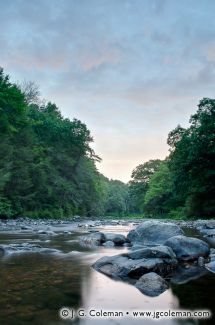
(153, 232)
(116, 238)
(99, 238)
(123, 266)
(188, 248)
(108, 244)
(150, 252)
(93, 239)
(25, 248)
(151, 284)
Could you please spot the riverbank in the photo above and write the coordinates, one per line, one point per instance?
(206, 227)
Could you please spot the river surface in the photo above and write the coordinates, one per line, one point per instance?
(34, 286)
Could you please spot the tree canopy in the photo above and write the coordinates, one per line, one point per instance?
(48, 167)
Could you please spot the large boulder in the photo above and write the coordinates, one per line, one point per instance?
(151, 284)
(117, 239)
(93, 239)
(188, 248)
(150, 252)
(123, 266)
(153, 232)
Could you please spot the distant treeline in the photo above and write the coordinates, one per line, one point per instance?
(47, 166)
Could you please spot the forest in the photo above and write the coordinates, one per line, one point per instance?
(48, 167)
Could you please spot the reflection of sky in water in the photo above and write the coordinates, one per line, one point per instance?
(39, 285)
(100, 292)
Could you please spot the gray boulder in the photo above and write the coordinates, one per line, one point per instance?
(116, 238)
(150, 252)
(122, 266)
(108, 244)
(93, 239)
(188, 248)
(151, 284)
(153, 232)
(137, 246)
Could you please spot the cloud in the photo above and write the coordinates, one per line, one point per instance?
(91, 60)
(130, 69)
(210, 52)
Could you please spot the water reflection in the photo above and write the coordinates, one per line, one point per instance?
(198, 294)
(106, 294)
(35, 286)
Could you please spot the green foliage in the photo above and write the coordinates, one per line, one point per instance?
(5, 208)
(183, 186)
(159, 194)
(12, 106)
(117, 197)
(138, 186)
(47, 168)
(192, 162)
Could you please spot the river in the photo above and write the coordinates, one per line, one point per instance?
(34, 286)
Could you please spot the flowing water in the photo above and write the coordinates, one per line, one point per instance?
(34, 286)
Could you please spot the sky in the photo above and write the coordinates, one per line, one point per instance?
(132, 70)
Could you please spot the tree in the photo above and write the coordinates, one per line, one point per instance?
(117, 197)
(138, 185)
(31, 92)
(12, 106)
(192, 162)
(47, 167)
(159, 196)
(184, 184)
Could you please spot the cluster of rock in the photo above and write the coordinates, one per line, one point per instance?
(28, 224)
(6, 250)
(160, 252)
(206, 228)
(105, 239)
